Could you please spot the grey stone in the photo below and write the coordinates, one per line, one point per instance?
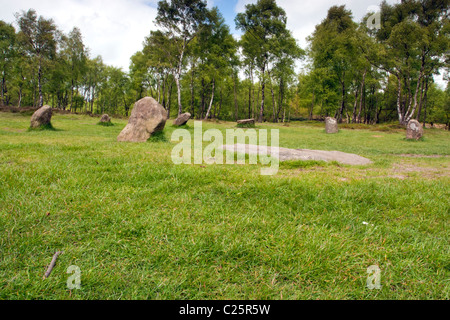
(246, 121)
(414, 130)
(41, 117)
(331, 125)
(105, 118)
(147, 117)
(182, 119)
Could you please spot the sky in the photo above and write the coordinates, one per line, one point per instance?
(115, 29)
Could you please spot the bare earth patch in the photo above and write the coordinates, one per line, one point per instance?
(400, 171)
(13, 130)
(408, 155)
(285, 154)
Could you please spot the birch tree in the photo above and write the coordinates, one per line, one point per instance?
(180, 21)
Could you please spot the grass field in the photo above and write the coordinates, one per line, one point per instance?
(140, 227)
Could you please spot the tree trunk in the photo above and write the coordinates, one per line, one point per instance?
(363, 83)
(422, 99)
(399, 98)
(211, 101)
(236, 107)
(169, 99)
(192, 90)
(280, 102)
(3, 90)
(355, 105)
(311, 109)
(425, 103)
(250, 102)
(341, 109)
(41, 97)
(164, 91)
(20, 96)
(263, 84)
(202, 109)
(220, 104)
(273, 98)
(177, 78)
(250, 97)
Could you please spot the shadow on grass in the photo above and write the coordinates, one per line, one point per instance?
(246, 125)
(421, 139)
(184, 126)
(158, 137)
(45, 127)
(294, 164)
(105, 124)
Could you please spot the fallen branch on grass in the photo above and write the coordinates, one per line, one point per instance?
(52, 264)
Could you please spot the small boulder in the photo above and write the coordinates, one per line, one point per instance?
(331, 125)
(147, 117)
(182, 119)
(246, 121)
(105, 118)
(414, 130)
(41, 118)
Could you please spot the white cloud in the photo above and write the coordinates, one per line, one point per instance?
(303, 16)
(114, 29)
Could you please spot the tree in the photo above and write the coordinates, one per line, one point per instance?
(180, 21)
(76, 56)
(262, 23)
(284, 53)
(37, 36)
(413, 43)
(161, 59)
(7, 53)
(333, 47)
(217, 48)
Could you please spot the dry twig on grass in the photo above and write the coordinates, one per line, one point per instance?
(52, 264)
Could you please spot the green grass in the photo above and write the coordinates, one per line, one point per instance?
(47, 126)
(245, 125)
(140, 227)
(105, 124)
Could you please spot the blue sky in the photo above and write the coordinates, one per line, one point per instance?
(227, 8)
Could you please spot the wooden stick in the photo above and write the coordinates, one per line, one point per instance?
(52, 264)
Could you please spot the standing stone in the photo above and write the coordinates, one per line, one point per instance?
(147, 117)
(182, 119)
(414, 130)
(105, 118)
(41, 117)
(331, 125)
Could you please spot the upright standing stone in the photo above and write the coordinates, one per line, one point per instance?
(331, 125)
(414, 130)
(182, 119)
(105, 118)
(147, 117)
(41, 117)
